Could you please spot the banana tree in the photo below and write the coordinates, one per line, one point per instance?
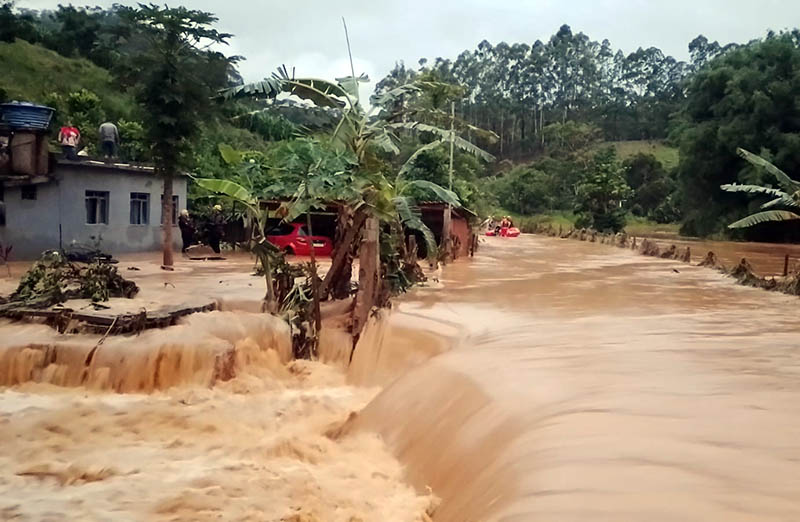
(785, 202)
(257, 214)
(366, 135)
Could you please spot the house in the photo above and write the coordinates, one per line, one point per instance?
(114, 206)
(460, 225)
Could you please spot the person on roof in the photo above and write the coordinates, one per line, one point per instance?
(69, 137)
(109, 139)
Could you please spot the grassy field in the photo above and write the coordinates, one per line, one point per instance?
(31, 72)
(668, 156)
(565, 220)
(638, 226)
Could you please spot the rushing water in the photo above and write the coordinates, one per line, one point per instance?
(213, 423)
(545, 379)
(590, 383)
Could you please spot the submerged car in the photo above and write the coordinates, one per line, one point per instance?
(293, 239)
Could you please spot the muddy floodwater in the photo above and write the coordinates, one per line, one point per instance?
(545, 379)
(590, 383)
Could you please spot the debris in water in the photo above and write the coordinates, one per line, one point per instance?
(54, 279)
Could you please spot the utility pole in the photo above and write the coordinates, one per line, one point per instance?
(448, 211)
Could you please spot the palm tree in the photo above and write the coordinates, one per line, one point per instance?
(785, 204)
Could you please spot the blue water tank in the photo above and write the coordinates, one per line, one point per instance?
(24, 115)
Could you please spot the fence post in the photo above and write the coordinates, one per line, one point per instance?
(786, 265)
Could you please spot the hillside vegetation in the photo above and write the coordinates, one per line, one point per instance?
(33, 73)
(578, 127)
(88, 94)
(666, 155)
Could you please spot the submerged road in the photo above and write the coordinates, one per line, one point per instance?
(590, 383)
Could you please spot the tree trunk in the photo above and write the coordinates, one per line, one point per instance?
(367, 276)
(270, 305)
(343, 257)
(513, 132)
(340, 285)
(502, 121)
(166, 212)
(446, 227)
(541, 124)
(314, 284)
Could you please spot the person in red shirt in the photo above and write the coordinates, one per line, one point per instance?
(69, 137)
(504, 225)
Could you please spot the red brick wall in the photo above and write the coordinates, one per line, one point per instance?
(460, 228)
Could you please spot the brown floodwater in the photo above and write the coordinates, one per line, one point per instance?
(545, 379)
(206, 420)
(767, 259)
(587, 382)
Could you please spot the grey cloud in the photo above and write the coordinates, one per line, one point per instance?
(308, 34)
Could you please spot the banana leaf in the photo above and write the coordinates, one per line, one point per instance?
(442, 194)
(229, 154)
(445, 136)
(411, 218)
(782, 201)
(409, 164)
(754, 189)
(228, 188)
(764, 217)
(350, 84)
(788, 184)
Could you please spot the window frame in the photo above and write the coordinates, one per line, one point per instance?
(98, 195)
(281, 229)
(31, 190)
(141, 202)
(175, 204)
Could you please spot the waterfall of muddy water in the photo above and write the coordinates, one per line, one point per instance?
(254, 446)
(591, 383)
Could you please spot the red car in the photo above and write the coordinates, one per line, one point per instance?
(293, 239)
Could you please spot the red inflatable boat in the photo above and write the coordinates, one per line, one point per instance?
(507, 232)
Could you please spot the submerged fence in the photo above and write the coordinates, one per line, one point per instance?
(743, 272)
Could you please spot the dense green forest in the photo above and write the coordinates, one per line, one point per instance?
(577, 127)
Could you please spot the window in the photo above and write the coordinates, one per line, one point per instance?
(174, 209)
(281, 229)
(2, 207)
(301, 231)
(29, 192)
(96, 207)
(140, 208)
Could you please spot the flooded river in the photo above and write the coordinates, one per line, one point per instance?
(590, 383)
(574, 381)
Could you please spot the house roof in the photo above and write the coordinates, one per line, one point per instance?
(437, 205)
(137, 168)
(14, 179)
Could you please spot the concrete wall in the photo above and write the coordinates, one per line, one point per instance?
(58, 215)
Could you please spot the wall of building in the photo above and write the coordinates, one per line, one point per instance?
(31, 225)
(58, 215)
(460, 228)
(432, 216)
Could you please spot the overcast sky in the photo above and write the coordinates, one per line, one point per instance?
(308, 35)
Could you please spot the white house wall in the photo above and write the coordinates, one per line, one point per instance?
(33, 226)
